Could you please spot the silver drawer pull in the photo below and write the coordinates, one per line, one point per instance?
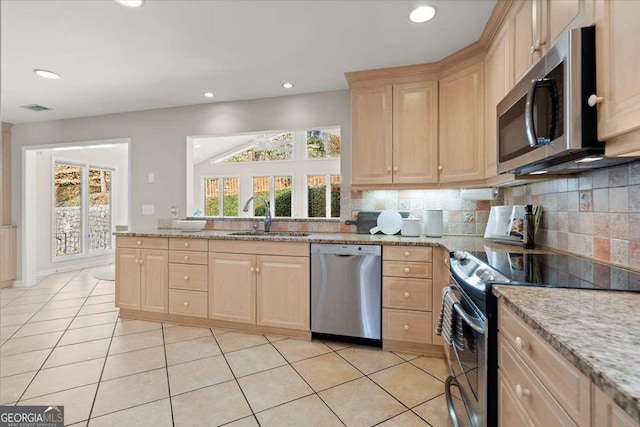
(186, 257)
(186, 304)
(406, 294)
(406, 269)
(406, 253)
(186, 277)
(186, 244)
(406, 327)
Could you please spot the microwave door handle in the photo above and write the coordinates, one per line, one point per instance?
(528, 113)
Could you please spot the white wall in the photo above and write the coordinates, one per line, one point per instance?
(158, 141)
(114, 157)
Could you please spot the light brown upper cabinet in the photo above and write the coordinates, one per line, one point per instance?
(462, 125)
(498, 81)
(395, 134)
(536, 24)
(617, 64)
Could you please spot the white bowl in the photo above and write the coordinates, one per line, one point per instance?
(191, 224)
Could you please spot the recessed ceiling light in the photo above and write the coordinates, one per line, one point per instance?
(538, 172)
(422, 14)
(287, 85)
(209, 94)
(47, 74)
(130, 3)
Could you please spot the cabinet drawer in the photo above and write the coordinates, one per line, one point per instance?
(510, 412)
(188, 303)
(407, 269)
(262, 248)
(412, 294)
(568, 385)
(186, 257)
(190, 277)
(142, 242)
(400, 325)
(189, 244)
(407, 253)
(536, 400)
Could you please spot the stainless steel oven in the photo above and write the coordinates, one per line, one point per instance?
(467, 361)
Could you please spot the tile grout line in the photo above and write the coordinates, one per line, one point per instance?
(234, 375)
(56, 344)
(166, 370)
(309, 385)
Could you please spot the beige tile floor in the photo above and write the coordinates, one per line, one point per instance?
(64, 344)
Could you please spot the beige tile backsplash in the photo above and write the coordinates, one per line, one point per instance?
(594, 214)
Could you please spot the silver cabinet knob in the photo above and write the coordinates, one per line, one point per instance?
(406, 294)
(186, 257)
(406, 269)
(406, 327)
(186, 277)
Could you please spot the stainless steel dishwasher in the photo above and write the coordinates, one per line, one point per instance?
(346, 291)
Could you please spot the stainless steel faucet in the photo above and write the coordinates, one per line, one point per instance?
(267, 208)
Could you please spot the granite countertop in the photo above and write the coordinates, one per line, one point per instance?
(451, 242)
(597, 331)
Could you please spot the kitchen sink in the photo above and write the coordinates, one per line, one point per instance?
(270, 233)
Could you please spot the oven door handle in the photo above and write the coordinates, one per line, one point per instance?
(447, 393)
(476, 324)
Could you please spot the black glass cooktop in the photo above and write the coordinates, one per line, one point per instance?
(561, 270)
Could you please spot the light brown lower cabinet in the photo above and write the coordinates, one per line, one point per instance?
(607, 414)
(265, 290)
(142, 275)
(537, 386)
(7, 256)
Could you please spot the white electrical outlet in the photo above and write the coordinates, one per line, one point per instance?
(147, 209)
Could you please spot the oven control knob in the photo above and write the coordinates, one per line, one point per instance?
(485, 275)
(460, 255)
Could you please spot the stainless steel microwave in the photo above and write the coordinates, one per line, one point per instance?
(546, 123)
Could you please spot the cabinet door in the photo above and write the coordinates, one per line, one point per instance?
(462, 125)
(617, 66)
(566, 14)
(232, 287)
(128, 278)
(415, 133)
(371, 116)
(283, 292)
(522, 24)
(154, 281)
(497, 84)
(606, 413)
(7, 254)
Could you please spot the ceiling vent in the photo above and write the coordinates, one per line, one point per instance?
(35, 107)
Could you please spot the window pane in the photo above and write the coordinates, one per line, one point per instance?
(261, 188)
(230, 201)
(283, 186)
(323, 144)
(211, 197)
(99, 209)
(317, 196)
(68, 216)
(265, 148)
(335, 196)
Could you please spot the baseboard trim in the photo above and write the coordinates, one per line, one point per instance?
(74, 267)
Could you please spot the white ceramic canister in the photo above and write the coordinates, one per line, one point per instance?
(433, 222)
(410, 227)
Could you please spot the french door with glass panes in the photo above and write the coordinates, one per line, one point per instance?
(82, 209)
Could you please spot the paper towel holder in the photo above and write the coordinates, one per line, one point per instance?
(479, 194)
